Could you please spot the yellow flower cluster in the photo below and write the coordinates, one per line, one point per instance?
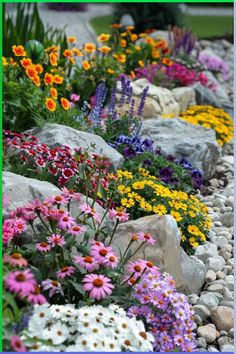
(143, 194)
(211, 118)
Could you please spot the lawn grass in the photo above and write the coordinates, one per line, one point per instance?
(202, 26)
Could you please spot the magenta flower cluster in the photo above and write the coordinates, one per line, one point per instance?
(214, 64)
(167, 313)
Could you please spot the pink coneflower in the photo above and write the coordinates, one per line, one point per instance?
(66, 222)
(56, 240)
(21, 282)
(55, 214)
(20, 225)
(67, 172)
(15, 260)
(70, 193)
(53, 286)
(77, 230)
(135, 267)
(66, 272)
(86, 262)
(36, 297)
(120, 215)
(100, 251)
(150, 267)
(43, 246)
(146, 237)
(17, 344)
(98, 285)
(90, 212)
(111, 260)
(57, 200)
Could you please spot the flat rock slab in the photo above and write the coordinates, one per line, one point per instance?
(179, 138)
(55, 135)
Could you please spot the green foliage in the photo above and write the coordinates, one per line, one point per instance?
(27, 25)
(150, 15)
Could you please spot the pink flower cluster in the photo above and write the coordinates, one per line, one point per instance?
(60, 163)
(166, 312)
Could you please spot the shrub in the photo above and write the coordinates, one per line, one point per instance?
(143, 194)
(159, 15)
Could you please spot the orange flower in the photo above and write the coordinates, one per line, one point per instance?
(58, 79)
(121, 58)
(53, 93)
(26, 62)
(86, 65)
(110, 71)
(48, 79)
(104, 37)
(4, 61)
(167, 61)
(53, 48)
(71, 39)
(50, 104)
(53, 59)
(141, 63)
(138, 48)
(77, 52)
(116, 25)
(19, 50)
(142, 35)
(160, 44)
(155, 53)
(149, 40)
(123, 34)
(12, 61)
(39, 68)
(36, 80)
(89, 47)
(123, 43)
(104, 49)
(129, 28)
(65, 103)
(31, 71)
(133, 37)
(128, 51)
(132, 74)
(166, 50)
(68, 53)
(72, 60)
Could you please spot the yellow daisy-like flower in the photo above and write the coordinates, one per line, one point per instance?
(176, 215)
(90, 47)
(71, 39)
(127, 203)
(160, 209)
(104, 37)
(104, 49)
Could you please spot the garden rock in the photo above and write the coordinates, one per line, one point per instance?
(182, 139)
(201, 311)
(185, 96)
(209, 300)
(205, 96)
(55, 135)
(206, 251)
(207, 332)
(215, 263)
(166, 253)
(222, 317)
(164, 98)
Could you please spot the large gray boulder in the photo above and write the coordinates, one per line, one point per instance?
(166, 253)
(182, 139)
(23, 190)
(55, 135)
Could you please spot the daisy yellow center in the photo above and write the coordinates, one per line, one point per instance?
(16, 255)
(98, 283)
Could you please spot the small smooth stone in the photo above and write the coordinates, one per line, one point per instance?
(197, 319)
(222, 317)
(212, 349)
(227, 219)
(223, 253)
(227, 294)
(223, 333)
(201, 311)
(220, 241)
(230, 201)
(201, 342)
(231, 333)
(208, 332)
(230, 262)
(193, 299)
(225, 234)
(219, 288)
(210, 276)
(227, 303)
(220, 275)
(230, 282)
(215, 263)
(209, 300)
(217, 223)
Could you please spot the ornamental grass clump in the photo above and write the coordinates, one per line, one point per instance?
(142, 194)
(89, 328)
(211, 118)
